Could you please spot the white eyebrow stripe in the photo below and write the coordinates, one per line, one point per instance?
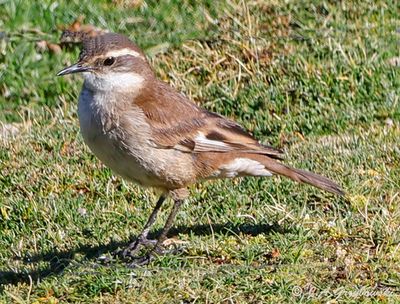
(123, 52)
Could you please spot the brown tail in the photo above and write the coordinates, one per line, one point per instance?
(303, 176)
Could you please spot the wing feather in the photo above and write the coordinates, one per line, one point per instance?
(176, 123)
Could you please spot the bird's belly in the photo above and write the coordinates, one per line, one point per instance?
(145, 166)
(123, 162)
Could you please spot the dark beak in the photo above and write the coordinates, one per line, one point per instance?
(75, 68)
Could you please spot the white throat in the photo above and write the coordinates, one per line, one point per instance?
(127, 82)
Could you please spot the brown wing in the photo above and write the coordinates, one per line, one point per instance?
(179, 124)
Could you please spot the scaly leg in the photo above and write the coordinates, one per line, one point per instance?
(158, 246)
(142, 239)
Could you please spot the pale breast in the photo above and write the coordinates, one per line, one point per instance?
(122, 141)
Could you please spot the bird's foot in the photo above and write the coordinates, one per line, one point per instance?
(142, 260)
(158, 250)
(134, 258)
(134, 248)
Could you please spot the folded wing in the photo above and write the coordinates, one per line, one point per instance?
(178, 124)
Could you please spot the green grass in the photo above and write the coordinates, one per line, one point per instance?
(311, 77)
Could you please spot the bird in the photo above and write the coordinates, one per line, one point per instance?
(150, 134)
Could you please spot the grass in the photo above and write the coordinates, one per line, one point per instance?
(311, 77)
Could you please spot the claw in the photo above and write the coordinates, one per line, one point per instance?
(134, 247)
(141, 260)
(131, 253)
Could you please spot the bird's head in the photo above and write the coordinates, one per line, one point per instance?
(110, 61)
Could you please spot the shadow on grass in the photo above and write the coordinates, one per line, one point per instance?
(59, 260)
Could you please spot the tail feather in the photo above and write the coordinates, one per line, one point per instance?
(303, 176)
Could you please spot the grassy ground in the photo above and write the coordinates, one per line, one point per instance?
(316, 78)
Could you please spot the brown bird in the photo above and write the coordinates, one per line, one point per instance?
(148, 133)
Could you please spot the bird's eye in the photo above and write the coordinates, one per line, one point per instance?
(109, 61)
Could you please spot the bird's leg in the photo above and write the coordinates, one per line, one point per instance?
(157, 249)
(142, 239)
(168, 224)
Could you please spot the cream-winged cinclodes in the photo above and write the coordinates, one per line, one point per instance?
(148, 133)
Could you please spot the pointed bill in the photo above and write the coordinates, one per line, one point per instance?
(75, 68)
